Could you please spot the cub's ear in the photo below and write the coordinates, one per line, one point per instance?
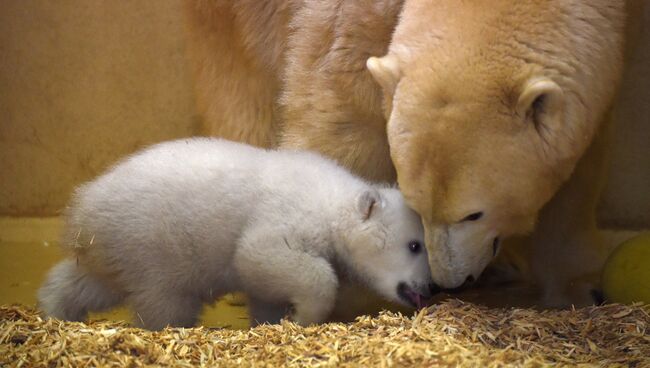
(542, 102)
(368, 202)
(386, 71)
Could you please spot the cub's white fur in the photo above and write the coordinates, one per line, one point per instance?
(187, 221)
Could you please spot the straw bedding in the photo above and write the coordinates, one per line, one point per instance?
(452, 333)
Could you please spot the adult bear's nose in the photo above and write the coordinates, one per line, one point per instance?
(468, 281)
(434, 288)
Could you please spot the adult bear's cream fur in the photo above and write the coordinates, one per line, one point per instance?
(481, 107)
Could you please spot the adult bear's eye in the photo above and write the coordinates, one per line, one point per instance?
(415, 246)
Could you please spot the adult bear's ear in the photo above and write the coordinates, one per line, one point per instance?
(541, 102)
(367, 203)
(386, 72)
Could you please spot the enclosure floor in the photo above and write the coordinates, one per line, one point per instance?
(450, 334)
(29, 248)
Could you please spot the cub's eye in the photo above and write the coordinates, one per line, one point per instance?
(415, 246)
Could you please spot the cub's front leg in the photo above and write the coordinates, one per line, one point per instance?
(276, 270)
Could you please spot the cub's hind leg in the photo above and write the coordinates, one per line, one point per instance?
(70, 292)
(157, 308)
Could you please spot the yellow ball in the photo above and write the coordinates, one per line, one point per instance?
(626, 277)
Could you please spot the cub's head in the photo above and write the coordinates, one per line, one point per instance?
(489, 107)
(384, 246)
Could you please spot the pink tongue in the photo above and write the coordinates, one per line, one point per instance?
(418, 300)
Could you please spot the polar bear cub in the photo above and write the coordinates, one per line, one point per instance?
(187, 221)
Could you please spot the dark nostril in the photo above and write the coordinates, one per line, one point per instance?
(597, 296)
(495, 246)
(469, 279)
(473, 217)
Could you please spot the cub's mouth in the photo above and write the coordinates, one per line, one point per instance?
(412, 297)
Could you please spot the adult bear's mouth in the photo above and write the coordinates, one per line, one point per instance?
(412, 297)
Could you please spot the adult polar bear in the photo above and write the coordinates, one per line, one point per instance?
(483, 111)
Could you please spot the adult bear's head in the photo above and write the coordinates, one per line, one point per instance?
(490, 105)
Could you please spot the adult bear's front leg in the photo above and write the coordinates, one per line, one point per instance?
(330, 102)
(568, 252)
